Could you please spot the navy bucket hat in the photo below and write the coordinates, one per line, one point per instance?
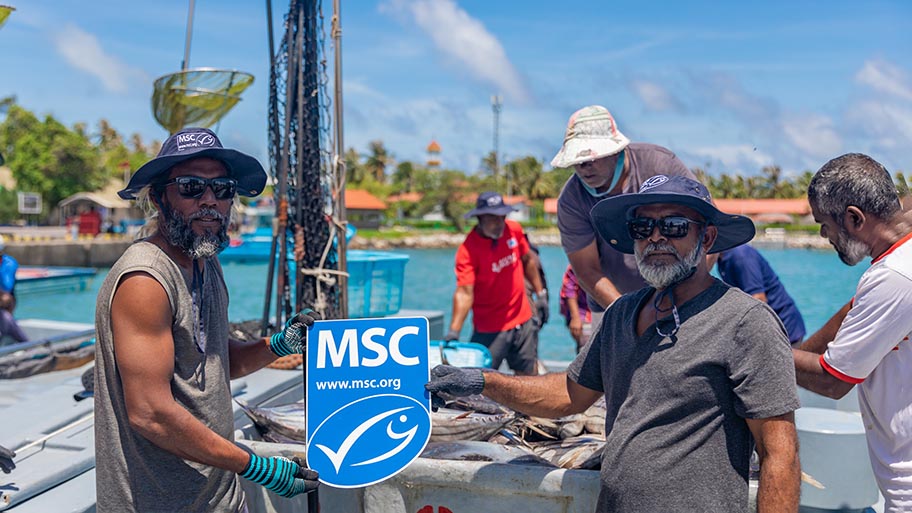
(611, 214)
(192, 143)
(490, 203)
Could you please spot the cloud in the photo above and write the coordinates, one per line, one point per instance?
(742, 158)
(83, 51)
(654, 96)
(889, 125)
(886, 78)
(466, 41)
(812, 134)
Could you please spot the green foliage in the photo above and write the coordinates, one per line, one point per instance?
(9, 205)
(54, 161)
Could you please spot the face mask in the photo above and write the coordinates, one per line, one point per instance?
(618, 170)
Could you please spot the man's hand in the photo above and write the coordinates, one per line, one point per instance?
(280, 475)
(293, 338)
(455, 381)
(541, 306)
(6, 460)
(451, 336)
(576, 329)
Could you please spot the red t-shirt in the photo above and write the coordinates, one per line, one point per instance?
(495, 269)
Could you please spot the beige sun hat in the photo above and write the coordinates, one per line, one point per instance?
(591, 134)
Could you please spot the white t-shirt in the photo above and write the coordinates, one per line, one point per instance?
(873, 349)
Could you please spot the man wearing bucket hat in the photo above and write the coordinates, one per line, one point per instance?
(691, 369)
(164, 426)
(606, 164)
(867, 344)
(492, 265)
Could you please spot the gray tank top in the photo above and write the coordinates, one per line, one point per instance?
(133, 474)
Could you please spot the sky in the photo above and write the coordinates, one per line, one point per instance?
(728, 86)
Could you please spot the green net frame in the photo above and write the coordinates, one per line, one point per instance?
(197, 97)
(5, 11)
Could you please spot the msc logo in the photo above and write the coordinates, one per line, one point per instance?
(349, 344)
(193, 140)
(653, 182)
(368, 440)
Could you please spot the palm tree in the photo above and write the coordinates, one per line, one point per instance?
(377, 160)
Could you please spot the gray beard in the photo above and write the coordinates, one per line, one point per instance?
(178, 232)
(850, 250)
(662, 275)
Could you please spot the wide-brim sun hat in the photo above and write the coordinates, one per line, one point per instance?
(192, 143)
(611, 214)
(490, 203)
(591, 134)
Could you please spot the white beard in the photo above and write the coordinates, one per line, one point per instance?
(850, 250)
(662, 275)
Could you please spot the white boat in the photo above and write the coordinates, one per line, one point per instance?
(55, 465)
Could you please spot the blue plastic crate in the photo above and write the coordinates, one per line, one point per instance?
(460, 354)
(375, 282)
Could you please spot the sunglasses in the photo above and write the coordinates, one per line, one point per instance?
(673, 227)
(194, 187)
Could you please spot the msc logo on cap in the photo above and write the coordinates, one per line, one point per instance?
(655, 181)
(194, 139)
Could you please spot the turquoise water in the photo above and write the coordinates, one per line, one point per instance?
(818, 281)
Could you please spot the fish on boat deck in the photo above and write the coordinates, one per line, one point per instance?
(473, 450)
(477, 403)
(580, 452)
(450, 425)
(281, 424)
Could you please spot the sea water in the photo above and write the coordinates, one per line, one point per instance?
(818, 281)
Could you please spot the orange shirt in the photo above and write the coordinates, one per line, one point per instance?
(495, 269)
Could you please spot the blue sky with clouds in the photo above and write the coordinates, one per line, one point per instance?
(731, 85)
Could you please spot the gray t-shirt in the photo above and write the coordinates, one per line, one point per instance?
(578, 231)
(676, 435)
(132, 473)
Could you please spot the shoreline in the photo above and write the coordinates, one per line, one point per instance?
(772, 239)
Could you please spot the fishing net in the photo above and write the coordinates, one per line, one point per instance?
(197, 97)
(307, 191)
(5, 11)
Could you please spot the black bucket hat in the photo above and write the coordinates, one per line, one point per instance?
(490, 203)
(192, 143)
(611, 214)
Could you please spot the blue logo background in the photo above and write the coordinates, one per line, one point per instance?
(368, 415)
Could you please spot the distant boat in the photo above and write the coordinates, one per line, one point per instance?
(45, 280)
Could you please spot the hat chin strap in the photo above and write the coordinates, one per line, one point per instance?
(669, 291)
(618, 171)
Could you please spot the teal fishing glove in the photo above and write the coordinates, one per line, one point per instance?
(293, 338)
(6, 460)
(280, 475)
(455, 381)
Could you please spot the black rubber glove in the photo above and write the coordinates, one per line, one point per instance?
(456, 381)
(541, 307)
(451, 336)
(293, 338)
(280, 475)
(6, 460)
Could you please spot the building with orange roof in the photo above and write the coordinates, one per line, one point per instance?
(363, 209)
(768, 210)
(550, 208)
(433, 158)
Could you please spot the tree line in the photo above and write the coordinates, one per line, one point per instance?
(56, 161)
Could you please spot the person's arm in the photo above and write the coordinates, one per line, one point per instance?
(576, 321)
(811, 375)
(552, 395)
(248, 356)
(462, 303)
(780, 471)
(144, 353)
(532, 271)
(8, 268)
(817, 343)
(761, 296)
(588, 271)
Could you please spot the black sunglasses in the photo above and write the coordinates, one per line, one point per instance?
(673, 227)
(194, 187)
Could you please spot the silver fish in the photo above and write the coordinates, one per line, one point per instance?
(469, 450)
(279, 423)
(581, 452)
(449, 425)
